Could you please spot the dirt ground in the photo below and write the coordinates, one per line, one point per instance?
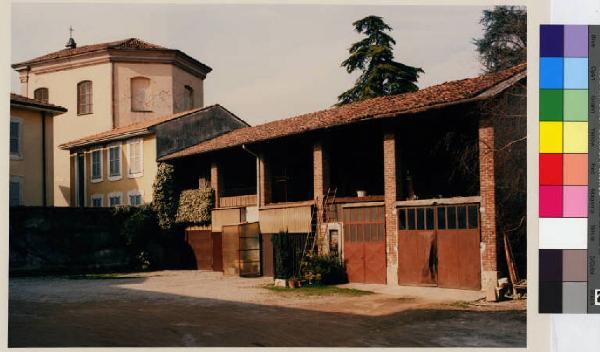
(192, 308)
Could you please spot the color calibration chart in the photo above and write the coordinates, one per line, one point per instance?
(569, 251)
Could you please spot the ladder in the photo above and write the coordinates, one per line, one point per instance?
(328, 207)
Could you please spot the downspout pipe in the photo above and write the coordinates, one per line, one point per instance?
(257, 174)
(44, 201)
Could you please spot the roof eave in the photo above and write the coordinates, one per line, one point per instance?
(38, 107)
(101, 140)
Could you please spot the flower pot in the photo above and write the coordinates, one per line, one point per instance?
(361, 193)
(292, 283)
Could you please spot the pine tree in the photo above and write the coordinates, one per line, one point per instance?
(373, 55)
(504, 43)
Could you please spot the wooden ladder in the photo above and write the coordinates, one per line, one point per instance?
(328, 205)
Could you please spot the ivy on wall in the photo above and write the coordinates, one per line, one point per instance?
(164, 196)
(194, 206)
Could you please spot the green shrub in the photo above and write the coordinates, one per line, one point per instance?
(140, 228)
(325, 269)
(282, 248)
(164, 196)
(194, 206)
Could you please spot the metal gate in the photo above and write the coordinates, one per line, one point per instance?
(439, 245)
(250, 249)
(364, 244)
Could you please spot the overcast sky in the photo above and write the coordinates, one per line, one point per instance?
(269, 61)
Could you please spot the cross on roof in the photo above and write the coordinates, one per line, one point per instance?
(71, 32)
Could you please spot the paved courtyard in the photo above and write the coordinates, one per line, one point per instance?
(192, 308)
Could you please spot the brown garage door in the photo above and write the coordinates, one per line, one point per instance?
(364, 244)
(439, 245)
(201, 244)
(458, 247)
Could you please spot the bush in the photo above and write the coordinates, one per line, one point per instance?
(194, 206)
(139, 230)
(325, 269)
(282, 248)
(164, 197)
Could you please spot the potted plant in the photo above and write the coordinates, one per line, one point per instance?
(292, 282)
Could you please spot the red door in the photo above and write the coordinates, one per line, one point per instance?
(364, 244)
(458, 247)
(439, 245)
(416, 247)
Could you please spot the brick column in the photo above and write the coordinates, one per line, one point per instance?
(320, 186)
(389, 181)
(215, 181)
(489, 275)
(264, 181)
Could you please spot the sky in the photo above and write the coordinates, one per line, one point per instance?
(269, 61)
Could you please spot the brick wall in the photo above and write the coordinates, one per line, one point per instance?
(488, 202)
(389, 175)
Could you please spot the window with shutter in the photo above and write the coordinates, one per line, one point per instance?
(41, 94)
(136, 158)
(84, 97)
(15, 138)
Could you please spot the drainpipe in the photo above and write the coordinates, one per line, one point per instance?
(43, 158)
(257, 175)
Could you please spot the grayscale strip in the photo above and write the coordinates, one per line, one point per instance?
(593, 298)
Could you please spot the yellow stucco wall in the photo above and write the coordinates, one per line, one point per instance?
(167, 86)
(125, 184)
(62, 91)
(29, 165)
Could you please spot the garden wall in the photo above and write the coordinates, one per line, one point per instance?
(80, 240)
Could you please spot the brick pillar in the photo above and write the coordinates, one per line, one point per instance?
(489, 275)
(320, 186)
(390, 184)
(264, 181)
(215, 181)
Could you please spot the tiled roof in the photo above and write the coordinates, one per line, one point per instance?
(16, 99)
(452, 92)
(138, 128)
(125, 44)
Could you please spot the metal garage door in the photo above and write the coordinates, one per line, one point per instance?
(364, 244)
(439, 245)
(201, 243)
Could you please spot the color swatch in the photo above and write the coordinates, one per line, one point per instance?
(564, 110)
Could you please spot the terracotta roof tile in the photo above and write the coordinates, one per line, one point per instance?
(428, 98)
(125, 44)
(21, 100)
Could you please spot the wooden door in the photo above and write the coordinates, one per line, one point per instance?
(459, 247)
(364, 244)
(417, 246)
(439, 245)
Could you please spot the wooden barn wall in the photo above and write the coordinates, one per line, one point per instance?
(291, 219)
(221, 217)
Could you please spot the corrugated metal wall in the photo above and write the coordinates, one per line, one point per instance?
(291, 219)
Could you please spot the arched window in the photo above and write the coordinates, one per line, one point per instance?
(84, 97)
(188, 98)
(41, 94)
(141, 97)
